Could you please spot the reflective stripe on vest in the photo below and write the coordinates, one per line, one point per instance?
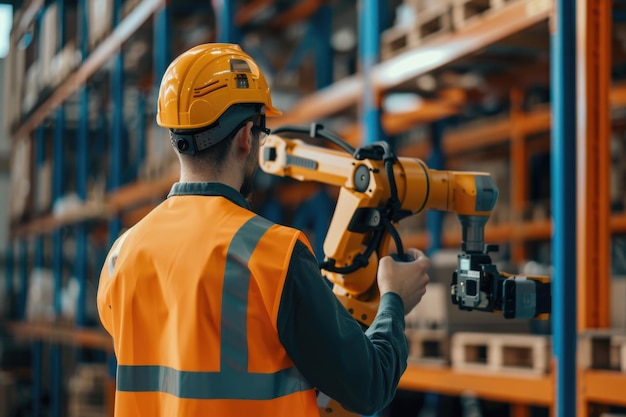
(232, 381)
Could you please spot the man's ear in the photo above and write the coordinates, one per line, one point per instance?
(243, 139)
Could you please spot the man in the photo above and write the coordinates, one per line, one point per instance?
(215, 311)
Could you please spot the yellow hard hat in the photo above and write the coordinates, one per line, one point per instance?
(203, 82)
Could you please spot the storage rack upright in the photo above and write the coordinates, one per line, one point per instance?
(594, 222)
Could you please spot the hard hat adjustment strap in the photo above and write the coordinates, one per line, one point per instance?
(190, 142)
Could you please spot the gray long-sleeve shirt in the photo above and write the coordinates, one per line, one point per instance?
(359, 370)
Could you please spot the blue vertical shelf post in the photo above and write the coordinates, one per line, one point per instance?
(226, 30)
(162, 48)
(321, 25)
(40, 159)
(370, 12)
(82, 173)
(23, 277)
(162, 42)
(58, 190)
(316, 40)
(116, 151)
(9, 288)
(142, 106)
(39, 262)
(57, 255)
(563, 190)
(434, 218)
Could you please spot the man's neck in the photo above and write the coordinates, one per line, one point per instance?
(186, 176)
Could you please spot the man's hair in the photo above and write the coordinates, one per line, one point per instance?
(213, 157)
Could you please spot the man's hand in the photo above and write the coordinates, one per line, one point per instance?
(407, 279)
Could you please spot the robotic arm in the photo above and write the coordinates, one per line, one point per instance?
(378, 189)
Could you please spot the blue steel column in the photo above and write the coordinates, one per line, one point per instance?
(58, 178)
(162, 42)
(23, 275)
(434, 218)
(58, 190)
(9, 259)
(39, 263)
(321, 25)
(369, 49)
(563, 189)
(142, 106)
(116, 156)
(316, 39)
(116, 150)
(226, 29)
(162, 49)
(82, 174)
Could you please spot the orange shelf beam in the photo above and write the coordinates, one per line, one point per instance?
(300, 11)
(522, 389)
(540, 230)
(617, 95)
(502, 23)
(606, 387)
(489, 132)
(618, 223)
(248, 12)
(52, 333)
(47, 224)
(345, 93)
(525, 231)
(339, 96)
(140, 193)
(396, 123)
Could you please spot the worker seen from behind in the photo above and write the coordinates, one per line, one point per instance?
(216, 311)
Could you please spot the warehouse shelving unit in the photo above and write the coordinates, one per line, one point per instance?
(126, 201)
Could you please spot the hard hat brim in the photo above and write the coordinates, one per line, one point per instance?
(271, 111)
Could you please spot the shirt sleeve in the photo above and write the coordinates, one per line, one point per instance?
(360, 370)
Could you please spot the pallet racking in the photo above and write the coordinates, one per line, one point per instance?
(565, 387)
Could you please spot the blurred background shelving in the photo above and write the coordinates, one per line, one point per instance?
(462, 84)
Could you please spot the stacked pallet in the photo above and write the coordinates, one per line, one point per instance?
(8, 394)
(87, 391)
(427, 328)
(421, 20)
(418, 20)
(602, 349)
(499, 352)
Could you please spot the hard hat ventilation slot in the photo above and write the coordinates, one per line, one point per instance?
(242, 81)
(239, 65)
(207, 89)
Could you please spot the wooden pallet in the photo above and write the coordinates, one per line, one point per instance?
(494, 352)
(421, 5)
(86, 392)
(428, 24)
(465, 12)
(602, 349)
(428, 346)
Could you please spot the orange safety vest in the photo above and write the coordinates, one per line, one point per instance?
(190, 296)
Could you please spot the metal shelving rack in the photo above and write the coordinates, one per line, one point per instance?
(566, 390)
